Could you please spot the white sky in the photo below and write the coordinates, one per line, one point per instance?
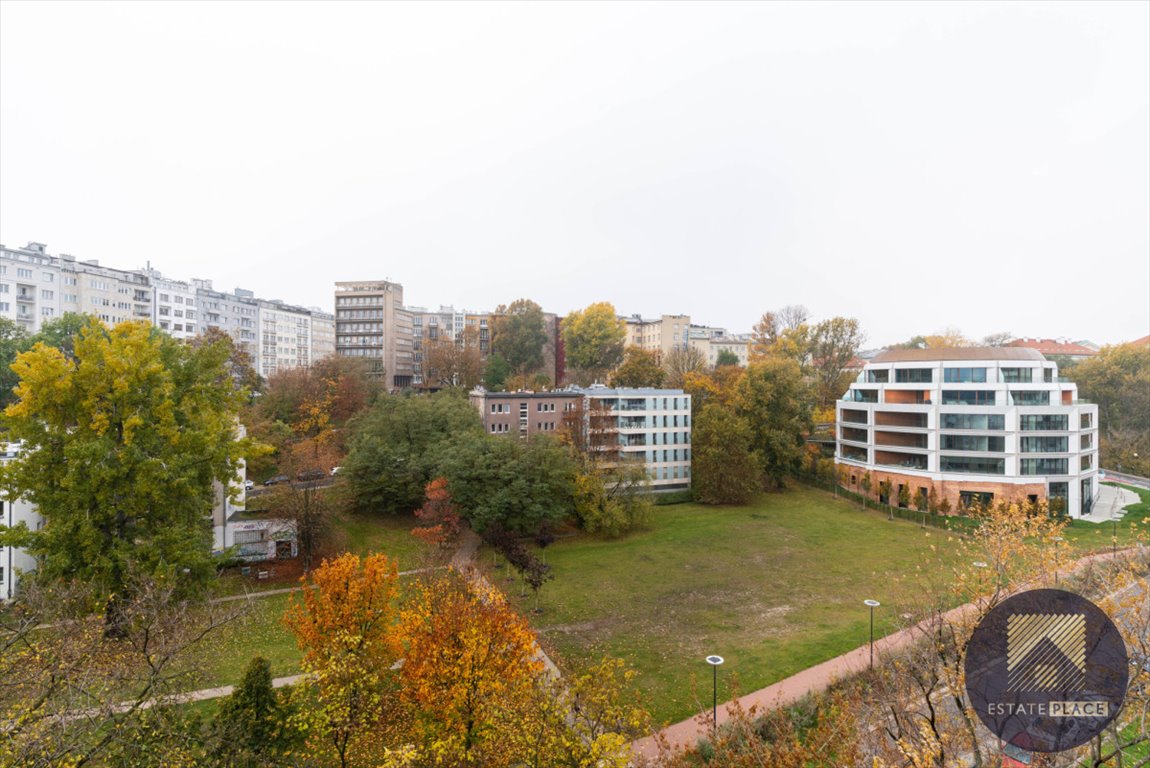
(915, 165)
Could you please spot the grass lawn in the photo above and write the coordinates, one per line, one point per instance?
(773, 587)
(1134, 526)
(366, 534)
(259, 633)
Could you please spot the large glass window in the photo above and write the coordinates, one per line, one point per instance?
(1043, 423)
(877, 377)
(861, 396)
(972, 465)
(1043, 466)
(855, 434)
(1029, 397)
(1017, 375)
(967, 397)
(1086, 421)
(964, 375)
(994, 443)
(852, 452)
(854, 417)
(1044, 444)
(1086, 462)
(973, 421)
(913, 375)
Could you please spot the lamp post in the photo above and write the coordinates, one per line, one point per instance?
(715, 661)
(872, 604)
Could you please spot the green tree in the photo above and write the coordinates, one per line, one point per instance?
(775, 401)
(726, 357)
(612, 499)
(62, 332)
(13, 341)
(518, 336)
(640, 368)
(252, 727)
(1118, 380)
(724, 467)
(398, 444)
(507, 483)
(122, 446)
(834, 344)
(594, 341)
(496, 373)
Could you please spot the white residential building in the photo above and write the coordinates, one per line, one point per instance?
(30, 286)
(285, 338)
(978, 424)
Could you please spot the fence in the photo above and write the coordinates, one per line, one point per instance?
(956, 523)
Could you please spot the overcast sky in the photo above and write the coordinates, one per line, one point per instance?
(918, 166)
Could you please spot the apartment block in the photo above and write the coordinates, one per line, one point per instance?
(175, 307)
(642, 425)
(663, 335)
(322, 334)
(236, 314)
(710, 341)
(371, 323)
(30, 289)
(285, 337)
(977, 424)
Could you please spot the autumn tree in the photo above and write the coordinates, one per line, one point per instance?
(238, 360)
(469, 674)
(775, 402)
(680, 363)
(345, 627)
(724, 467)
(594, 340)
(1000, 339)
(834, 344)
(398, 445)
(1118, 380)
(519, 334)
(439, 515)
(453, 362)
(640, 368)
(611, 497)
(766, 333)
(122, 446)
(717, 386)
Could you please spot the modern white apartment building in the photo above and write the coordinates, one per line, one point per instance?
(977, 424)
(285, 337)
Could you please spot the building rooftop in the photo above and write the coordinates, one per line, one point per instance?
(957, 353)
(1055, 347)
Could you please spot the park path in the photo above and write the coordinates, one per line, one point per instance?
(817, 678)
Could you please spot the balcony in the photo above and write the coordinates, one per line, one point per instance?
(905, 419)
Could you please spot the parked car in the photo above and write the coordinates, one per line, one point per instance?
(335, 471)
(249, 484)
(276, 480)
(311, 474)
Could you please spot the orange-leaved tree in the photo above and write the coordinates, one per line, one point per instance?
(346, 628)
(470, 673)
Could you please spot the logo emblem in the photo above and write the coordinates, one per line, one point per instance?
(1046, 670)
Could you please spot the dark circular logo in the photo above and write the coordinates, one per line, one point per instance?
(1046, 670)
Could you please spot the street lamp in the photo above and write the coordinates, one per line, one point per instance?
(872, 604)
(715, 661)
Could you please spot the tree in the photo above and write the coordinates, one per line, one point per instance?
(1000, 339)
(640, 368)
(594, 341)
(398, 445)
(834, 344)
(496, 373)
(611, 498)
(121, 449)
(238, 360)
(506, 483)
(770, 328)
(945, 339)
(440, 515)
(470, 673)
(345, 627)
(680, 363)
(453, 363)
(724, 467)
(519, 334)
(720, 385)
(1118, 380)
(252, 727)
(726, 357)
(13, 341)
(776, 403)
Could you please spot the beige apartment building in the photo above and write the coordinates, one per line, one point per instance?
(371, 323)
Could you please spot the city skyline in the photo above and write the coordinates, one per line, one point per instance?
(743, 157)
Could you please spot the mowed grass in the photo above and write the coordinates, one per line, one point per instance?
(367, 534)
(773, 587)
(1133, 527)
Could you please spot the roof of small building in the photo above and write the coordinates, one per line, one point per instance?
(957, 353)
(1142, 342)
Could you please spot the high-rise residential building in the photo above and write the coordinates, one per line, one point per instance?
(174, 308)
(974, 425)
(284, 338)
(30, 287)
(322, 334)
(371, 323)
(236, 314)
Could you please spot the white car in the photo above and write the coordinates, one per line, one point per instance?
(335, 471)
(248, 485)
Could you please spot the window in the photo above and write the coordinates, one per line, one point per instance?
(48, 277)
(967, 499)
(1017, 375)
(1086, 462)
(877, 377)
(1086, 442)
(973, 421)
(978, 466)
(1085, 421)
(994, 443)
(967, 397)
(964, 375)
(4, 287)
(22, 272)
(165, 297)
(861, 396)
(1050, 444)
(1043, 467)
(913, 375)
(1027, 397)
(1043, 423)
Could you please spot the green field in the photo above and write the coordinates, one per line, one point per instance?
(773, 587)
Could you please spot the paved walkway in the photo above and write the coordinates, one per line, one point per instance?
(1111, 504)
(814, 679)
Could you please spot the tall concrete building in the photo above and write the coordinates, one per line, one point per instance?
(371, 323)
(236, 314)
(175, 307)
(30, 286)
(284, 339)
(976, 425)
(322, 334)
(664, 335)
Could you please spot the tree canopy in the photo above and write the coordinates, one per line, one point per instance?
(640, 368)
(594, 340)
(519, 336)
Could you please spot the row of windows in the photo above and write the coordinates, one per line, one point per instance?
(991, 444)
(972, 465)
(1044, 444)
(358, 301)
(669, 473)
(985, 421)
